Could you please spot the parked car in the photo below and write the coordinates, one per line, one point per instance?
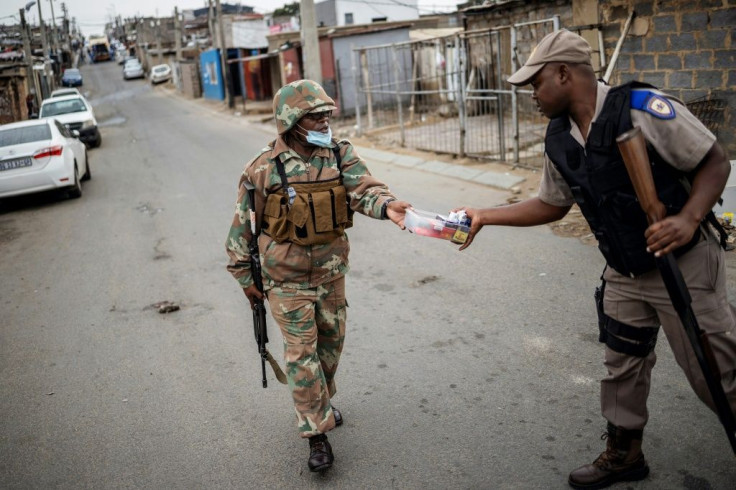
(71, 78)
(126, 58)
(40, 155)
(160, 73)
(75, 113)
(121, 54)
(132, 69)
(61, 92)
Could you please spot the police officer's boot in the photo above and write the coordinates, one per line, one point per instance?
(621, 461)
(320, 453)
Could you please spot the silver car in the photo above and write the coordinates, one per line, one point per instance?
(41, 155)
(132, 69)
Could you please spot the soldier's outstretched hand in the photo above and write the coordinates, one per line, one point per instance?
(396, 212)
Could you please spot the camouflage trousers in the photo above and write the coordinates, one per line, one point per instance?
(312, 323)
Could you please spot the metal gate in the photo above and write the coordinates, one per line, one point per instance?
(449, 94)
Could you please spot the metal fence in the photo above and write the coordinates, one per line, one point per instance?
(449, 95)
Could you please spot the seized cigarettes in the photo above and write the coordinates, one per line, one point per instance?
(453, 227)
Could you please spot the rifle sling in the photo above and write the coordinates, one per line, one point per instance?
(280, 376)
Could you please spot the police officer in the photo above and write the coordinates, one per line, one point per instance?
(583, 165)
(307, 186)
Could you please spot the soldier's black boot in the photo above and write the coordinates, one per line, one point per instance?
(621, 461)
(338, 416)
(320, 453)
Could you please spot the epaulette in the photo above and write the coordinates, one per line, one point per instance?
(655, 104)
(263, 150)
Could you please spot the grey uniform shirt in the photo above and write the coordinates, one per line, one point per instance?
(682, 142)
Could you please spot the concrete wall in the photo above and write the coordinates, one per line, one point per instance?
(325, 13)
(342, 49)
(685, 47)
(12, 96)
(365, 12)
(190, 79)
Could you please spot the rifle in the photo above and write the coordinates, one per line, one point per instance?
(633, 150)
(259, 309)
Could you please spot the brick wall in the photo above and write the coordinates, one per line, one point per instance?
(688, 50)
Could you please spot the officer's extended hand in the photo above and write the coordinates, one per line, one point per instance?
(252, 293)
(396, 212)
(670, 233)
(475, 225)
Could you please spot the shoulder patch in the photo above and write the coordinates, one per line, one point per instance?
(655, 104)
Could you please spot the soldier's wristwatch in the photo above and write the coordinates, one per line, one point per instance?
(384, 208)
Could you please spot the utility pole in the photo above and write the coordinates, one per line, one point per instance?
(45, 44)
(29, 57)
(310, 42)
(54, 33)
(177, 34)
(65, 25)
(158, 41)
(223, 57)
(211, 23)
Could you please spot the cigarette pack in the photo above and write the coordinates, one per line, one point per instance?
(454, 228)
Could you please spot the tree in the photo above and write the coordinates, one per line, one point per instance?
(288, 10)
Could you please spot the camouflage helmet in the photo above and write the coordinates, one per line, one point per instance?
(295, 99)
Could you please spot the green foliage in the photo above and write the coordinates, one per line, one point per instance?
(289, 9)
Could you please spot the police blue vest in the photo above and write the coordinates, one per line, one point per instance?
(601, 186)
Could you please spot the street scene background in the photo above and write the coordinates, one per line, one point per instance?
(473, 369)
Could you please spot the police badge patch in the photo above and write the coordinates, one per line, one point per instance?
(660, 107)
(655, 104)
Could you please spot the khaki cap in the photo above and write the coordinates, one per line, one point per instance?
(562, 46)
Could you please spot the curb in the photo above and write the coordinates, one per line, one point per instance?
(494, 179)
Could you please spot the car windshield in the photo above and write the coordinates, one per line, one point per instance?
(160, 69)
(27, 134)
(71, 72)
(62, 107)
(63, 93)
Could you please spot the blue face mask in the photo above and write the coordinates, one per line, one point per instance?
(319, 139)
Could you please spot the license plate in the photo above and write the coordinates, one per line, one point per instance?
(15, 163)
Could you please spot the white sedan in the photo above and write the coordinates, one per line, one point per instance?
(160, 73)
(41, 155)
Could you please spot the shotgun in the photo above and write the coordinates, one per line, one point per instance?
(634, 152)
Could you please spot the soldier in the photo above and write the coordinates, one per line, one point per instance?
(583, 165)
(307, 186)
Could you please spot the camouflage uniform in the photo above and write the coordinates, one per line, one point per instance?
(304, 284)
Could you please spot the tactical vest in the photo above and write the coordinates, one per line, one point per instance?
(601, 186)
(307, 213)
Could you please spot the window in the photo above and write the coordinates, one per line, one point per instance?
(27, 134)
(211, 73)
(62, 107)
(379, 19)
(349, 18)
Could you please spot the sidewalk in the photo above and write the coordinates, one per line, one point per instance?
(477, 172)
(506, 180)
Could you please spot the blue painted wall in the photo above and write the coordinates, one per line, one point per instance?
(210, 68)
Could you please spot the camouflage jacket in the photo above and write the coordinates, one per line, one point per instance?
(287, 264)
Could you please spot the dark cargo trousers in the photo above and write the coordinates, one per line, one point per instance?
(312, 322)
(643, 302)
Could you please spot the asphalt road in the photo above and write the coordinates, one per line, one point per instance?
(477, 369)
